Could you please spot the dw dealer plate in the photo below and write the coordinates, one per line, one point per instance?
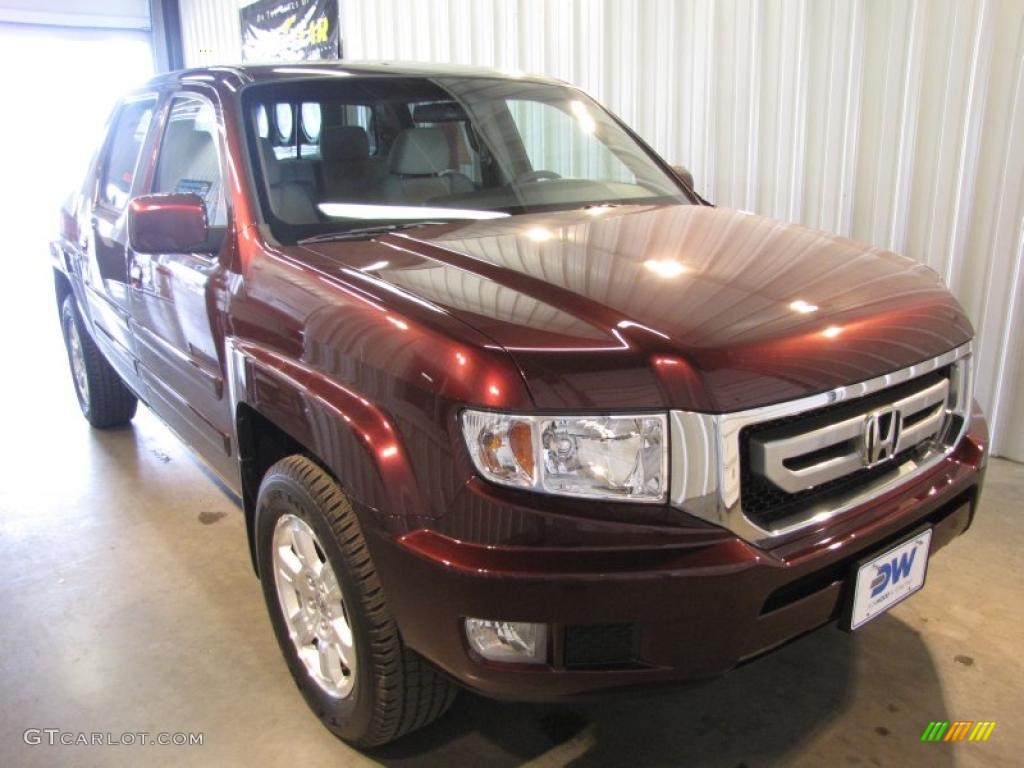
(889, 578)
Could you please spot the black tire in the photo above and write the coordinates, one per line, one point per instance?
(395, 690)
(104, 399)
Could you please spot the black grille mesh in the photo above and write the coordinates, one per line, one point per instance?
(602, 646)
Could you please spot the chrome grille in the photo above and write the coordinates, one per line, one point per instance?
(773, 470)
(798, 461)
(797, 456)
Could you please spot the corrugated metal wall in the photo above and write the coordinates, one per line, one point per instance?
(897, 122)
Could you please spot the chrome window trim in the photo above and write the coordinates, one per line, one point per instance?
(705, 463)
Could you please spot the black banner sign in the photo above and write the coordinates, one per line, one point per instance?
(290, 30)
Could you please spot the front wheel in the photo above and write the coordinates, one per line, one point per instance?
(328, 611)
(104, 399)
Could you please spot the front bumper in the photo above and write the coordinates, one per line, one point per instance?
(627, 616)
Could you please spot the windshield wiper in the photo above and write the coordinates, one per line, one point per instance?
(364, 232)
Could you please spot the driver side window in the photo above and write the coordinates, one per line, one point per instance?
(189, 160)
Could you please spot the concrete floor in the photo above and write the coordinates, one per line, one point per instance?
(129, 604)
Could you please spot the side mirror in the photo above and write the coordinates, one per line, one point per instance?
(684, 175)
(174, 223)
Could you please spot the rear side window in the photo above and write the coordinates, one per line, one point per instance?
(309, 137)
(129, 134)
(189, 160)
(311, 121)
(262, 122)
(284, 121)
(284, 131)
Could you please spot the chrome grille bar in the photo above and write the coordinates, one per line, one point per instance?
(774, 458)
(927, 407)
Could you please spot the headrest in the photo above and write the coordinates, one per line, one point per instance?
(420, 152)
(344, 142)
(271, 167)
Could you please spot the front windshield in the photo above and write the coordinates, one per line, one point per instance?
(352, 153)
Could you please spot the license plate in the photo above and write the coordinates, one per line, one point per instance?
(890, 578)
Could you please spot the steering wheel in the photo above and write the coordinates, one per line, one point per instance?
(526, 178)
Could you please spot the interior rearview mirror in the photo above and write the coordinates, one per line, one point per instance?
(172, 223)
(684, 175)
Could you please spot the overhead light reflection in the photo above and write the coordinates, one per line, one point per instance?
(633, 324)
(539, 234)
(398, 323)
(587, 124)
(667, 268)
(366, 211)
(803, 307)
(310, 71)
(832, 331)
(375, 266)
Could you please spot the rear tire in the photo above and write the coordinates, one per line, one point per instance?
(104, 399)
(329, 614)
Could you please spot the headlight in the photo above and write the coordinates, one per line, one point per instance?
(604, 457)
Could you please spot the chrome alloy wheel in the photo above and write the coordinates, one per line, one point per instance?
(77, 361)
(314, 610)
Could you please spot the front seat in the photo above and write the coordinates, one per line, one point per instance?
(291, 200)
(348, 171)
(420, 168)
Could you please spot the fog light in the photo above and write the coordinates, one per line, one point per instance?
(511, 641)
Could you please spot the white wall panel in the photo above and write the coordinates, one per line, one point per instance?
(896, 122)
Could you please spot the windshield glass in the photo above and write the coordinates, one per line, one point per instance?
(352, 153)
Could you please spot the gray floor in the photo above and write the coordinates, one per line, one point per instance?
(129, 605)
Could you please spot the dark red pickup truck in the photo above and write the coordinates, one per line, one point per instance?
(506, 403)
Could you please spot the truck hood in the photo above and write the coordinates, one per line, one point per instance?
(679, 306)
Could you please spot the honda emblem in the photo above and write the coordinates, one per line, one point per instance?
(880, 436)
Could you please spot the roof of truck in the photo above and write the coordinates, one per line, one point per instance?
(253, 73)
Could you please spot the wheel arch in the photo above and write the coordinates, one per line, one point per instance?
(61, 286)
(261, 444)
(284, 407)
